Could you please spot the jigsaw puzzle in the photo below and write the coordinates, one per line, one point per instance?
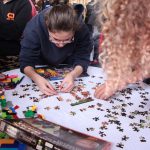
(52, 73)
(123, 120)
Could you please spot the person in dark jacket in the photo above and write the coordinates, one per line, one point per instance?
(53, 37)
(90, 16)
(14, 14)
(79, 9)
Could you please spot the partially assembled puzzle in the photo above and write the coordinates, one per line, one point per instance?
(53, 73)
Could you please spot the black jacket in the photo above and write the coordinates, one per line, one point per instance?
(37, 49)
(13, 17)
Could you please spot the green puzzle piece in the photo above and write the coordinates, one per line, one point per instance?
(3, 115)
(29, 114)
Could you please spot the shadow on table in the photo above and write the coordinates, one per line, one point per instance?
(8, 63)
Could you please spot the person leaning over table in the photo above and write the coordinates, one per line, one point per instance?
(126, 44)
(53, 37)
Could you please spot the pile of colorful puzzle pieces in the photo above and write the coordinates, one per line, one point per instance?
(8, 82)
(7, 112)
(53, 74)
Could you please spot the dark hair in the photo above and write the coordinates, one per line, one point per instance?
(63, 2)
(79, 8)
(61, 18)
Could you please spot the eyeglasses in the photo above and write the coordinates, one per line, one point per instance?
(56, 41)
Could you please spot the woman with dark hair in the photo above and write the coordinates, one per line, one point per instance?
(126, 44)
(53, 37)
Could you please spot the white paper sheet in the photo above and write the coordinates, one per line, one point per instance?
(124, 120)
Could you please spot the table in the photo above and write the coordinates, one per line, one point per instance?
(124, 120)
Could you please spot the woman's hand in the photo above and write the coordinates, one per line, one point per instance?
(67, 84)
(44, 86)
(107, 90)
(100, 92)
(110, 87)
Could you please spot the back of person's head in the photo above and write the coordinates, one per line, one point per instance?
(79, 8)
(51, 2)
(61, 18)
(55, 2)
(66, 2)
(126, 30)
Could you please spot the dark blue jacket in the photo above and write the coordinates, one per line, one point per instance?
(36, 49)
(13, 17)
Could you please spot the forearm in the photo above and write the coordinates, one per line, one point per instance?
(76, 71)
(30, 72)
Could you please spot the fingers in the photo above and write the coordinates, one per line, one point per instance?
(63, 84)
(48, 89)
(45, 91)
(51, 89)
(100, 93)
(66, 87)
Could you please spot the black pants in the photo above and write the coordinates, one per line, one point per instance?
(9, 48)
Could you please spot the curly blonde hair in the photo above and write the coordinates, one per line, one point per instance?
(126, 45)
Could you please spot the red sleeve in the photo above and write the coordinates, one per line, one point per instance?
(34, 12)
